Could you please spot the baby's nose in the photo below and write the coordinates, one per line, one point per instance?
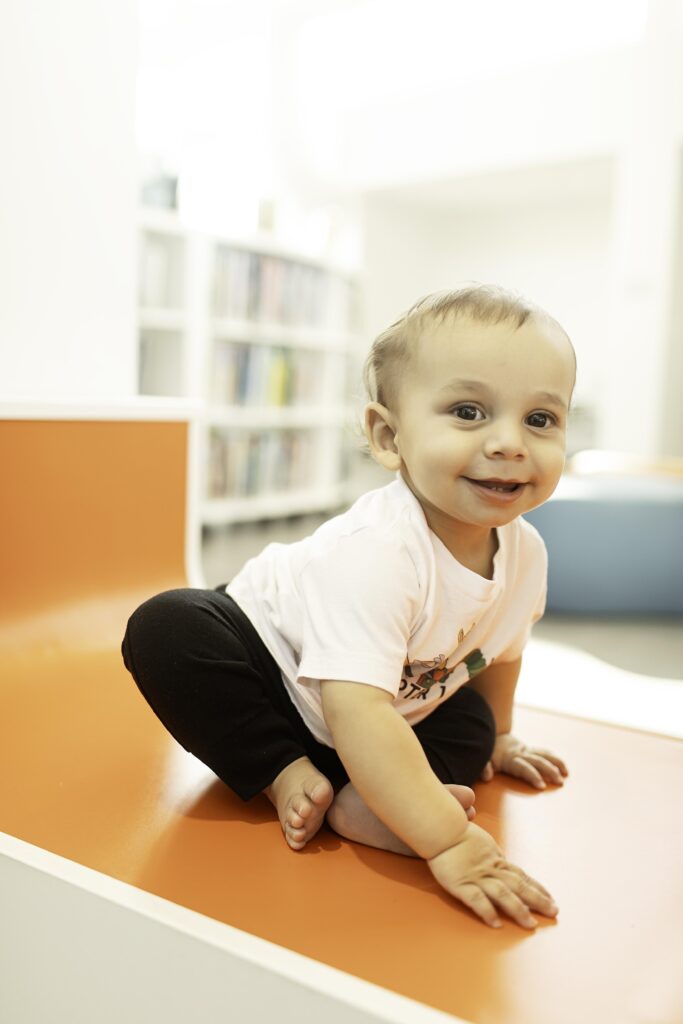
(505, 440)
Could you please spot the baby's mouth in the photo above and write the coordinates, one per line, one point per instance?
(497, 485)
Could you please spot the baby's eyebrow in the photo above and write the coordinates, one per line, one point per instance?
(550, 396)
(479, 385)
(464, 385)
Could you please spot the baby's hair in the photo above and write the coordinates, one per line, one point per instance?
(392, 349)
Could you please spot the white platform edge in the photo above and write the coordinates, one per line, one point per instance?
(61, 918)
(78, 408)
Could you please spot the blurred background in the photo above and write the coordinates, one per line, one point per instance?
(226, 201)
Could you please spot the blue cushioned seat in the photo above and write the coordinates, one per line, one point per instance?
(615, 544)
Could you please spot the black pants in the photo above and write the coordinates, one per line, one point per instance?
(201, 666)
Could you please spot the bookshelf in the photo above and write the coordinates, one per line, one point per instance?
(264, 339)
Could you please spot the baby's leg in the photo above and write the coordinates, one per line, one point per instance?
(208, 677)
(301, 795)
(351, 817)
(458, 737)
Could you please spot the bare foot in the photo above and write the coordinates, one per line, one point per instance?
(351, 817)
(301, 796)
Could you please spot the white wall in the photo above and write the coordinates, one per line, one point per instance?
(642, 401)
(68, 185)
(68, 190)
(400, 258)
(475, 125)
(434, 109)
(556, 254)
(553, 252)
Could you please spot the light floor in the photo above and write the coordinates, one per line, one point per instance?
(626, 671)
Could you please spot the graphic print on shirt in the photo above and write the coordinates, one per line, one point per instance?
(476, 662)
(420, 678)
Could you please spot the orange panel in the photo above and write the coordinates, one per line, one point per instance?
(90, 509)
(87, 771)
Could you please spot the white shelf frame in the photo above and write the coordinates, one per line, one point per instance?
(151, 318)
(277, 417)
(275, 504)
(262, 332)
(196, 329)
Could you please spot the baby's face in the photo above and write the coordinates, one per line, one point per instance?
(481, 420)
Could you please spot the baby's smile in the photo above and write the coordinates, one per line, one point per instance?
(497, 490)
(495, 484)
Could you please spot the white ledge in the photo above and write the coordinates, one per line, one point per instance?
(78, 408)
(101, 949)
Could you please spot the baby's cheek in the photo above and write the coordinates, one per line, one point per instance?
(554, 465)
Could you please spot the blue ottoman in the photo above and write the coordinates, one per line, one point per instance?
(615, 544)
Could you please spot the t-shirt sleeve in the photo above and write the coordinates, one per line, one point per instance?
(533, 588)
(359, 600)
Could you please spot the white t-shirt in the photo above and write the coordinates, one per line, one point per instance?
(374, 597)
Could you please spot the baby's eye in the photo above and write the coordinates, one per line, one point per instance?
(467, 412)
(540, 419)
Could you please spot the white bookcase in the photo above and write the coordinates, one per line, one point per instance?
(263, 338)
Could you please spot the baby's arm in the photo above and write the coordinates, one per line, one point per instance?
(497, 685)
(390, 771)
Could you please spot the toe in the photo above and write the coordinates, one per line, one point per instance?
(463, 794)
(298, 835)
(319, 791)
(301, 806)
(294, 819)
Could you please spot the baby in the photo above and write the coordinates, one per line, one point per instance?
(366, 675)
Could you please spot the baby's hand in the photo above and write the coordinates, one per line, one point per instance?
(513, 757)
(476, 873)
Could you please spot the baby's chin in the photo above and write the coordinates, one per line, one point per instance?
(491, 518)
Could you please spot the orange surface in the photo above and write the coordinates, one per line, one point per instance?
(88, 772)
(89, 509)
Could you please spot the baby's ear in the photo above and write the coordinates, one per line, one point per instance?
(381, 434)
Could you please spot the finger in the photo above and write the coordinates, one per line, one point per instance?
(502, 896)
(521, 874)
(529, 890)
(487, 773)
(544, 767)
(553, 758)
(523, 769)
(474, 898)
